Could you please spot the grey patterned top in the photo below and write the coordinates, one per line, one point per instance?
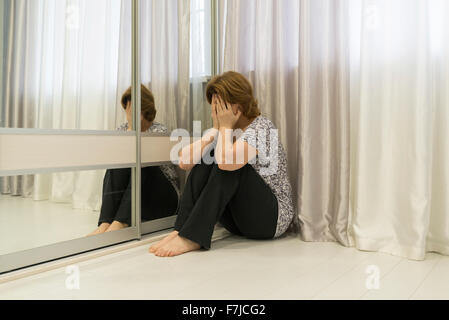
(169, 170)
(271, 164)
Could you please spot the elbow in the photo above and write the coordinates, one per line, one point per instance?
(184, 166)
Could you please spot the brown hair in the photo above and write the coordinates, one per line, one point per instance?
(148, 108)
(234, 88)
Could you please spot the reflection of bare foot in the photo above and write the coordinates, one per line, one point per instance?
(117, 226)
(178, 245)
(159, 244)
(102, 228)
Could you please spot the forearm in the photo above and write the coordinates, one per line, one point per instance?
(224, 152)
(191, 155)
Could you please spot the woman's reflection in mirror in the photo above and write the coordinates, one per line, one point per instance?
(160, 186)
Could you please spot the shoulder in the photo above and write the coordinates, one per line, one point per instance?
(123, 127)
(258, 127)
(158, 128)
(267, 123)
(261, 123)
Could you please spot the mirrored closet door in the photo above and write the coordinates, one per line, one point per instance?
(68, 166)
(94, 98)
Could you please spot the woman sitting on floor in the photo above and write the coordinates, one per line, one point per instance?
(246, 188)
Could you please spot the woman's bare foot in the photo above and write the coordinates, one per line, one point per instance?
(101, 229)
(116, 226)
(178, 245)
(158, 244)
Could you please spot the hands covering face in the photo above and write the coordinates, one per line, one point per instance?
(222, 114)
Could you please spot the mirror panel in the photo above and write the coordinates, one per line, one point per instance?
(65, 63)
(66, 162)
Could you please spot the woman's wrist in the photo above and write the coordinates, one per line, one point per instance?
(210, 135)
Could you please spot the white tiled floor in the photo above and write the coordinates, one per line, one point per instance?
(40, 223)
(237, 268)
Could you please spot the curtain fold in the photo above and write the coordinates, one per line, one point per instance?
(165, 35)
(324, 121)
(294, 61)
(257, 42)
(358, 90)
(400, 133)
(200, 62)
(17, 108)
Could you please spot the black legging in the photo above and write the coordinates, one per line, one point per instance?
(158, 197)
(240, 200)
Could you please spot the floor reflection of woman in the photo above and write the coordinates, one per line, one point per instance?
(160, 191)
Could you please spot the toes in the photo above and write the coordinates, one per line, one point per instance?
(172, 254)
(161, 252)
(154, 247)
(167, 252)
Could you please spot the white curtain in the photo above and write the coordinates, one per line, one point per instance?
(68, 63)
(165, 46)
(260, 40)
(358, 90)
(400, 133)
(200, 60)
(165, 58)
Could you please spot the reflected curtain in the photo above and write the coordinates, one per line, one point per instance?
(54, 79)
(164, 58)
(200, 61)
(165, 36)
(66, 66)
(358, 90)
